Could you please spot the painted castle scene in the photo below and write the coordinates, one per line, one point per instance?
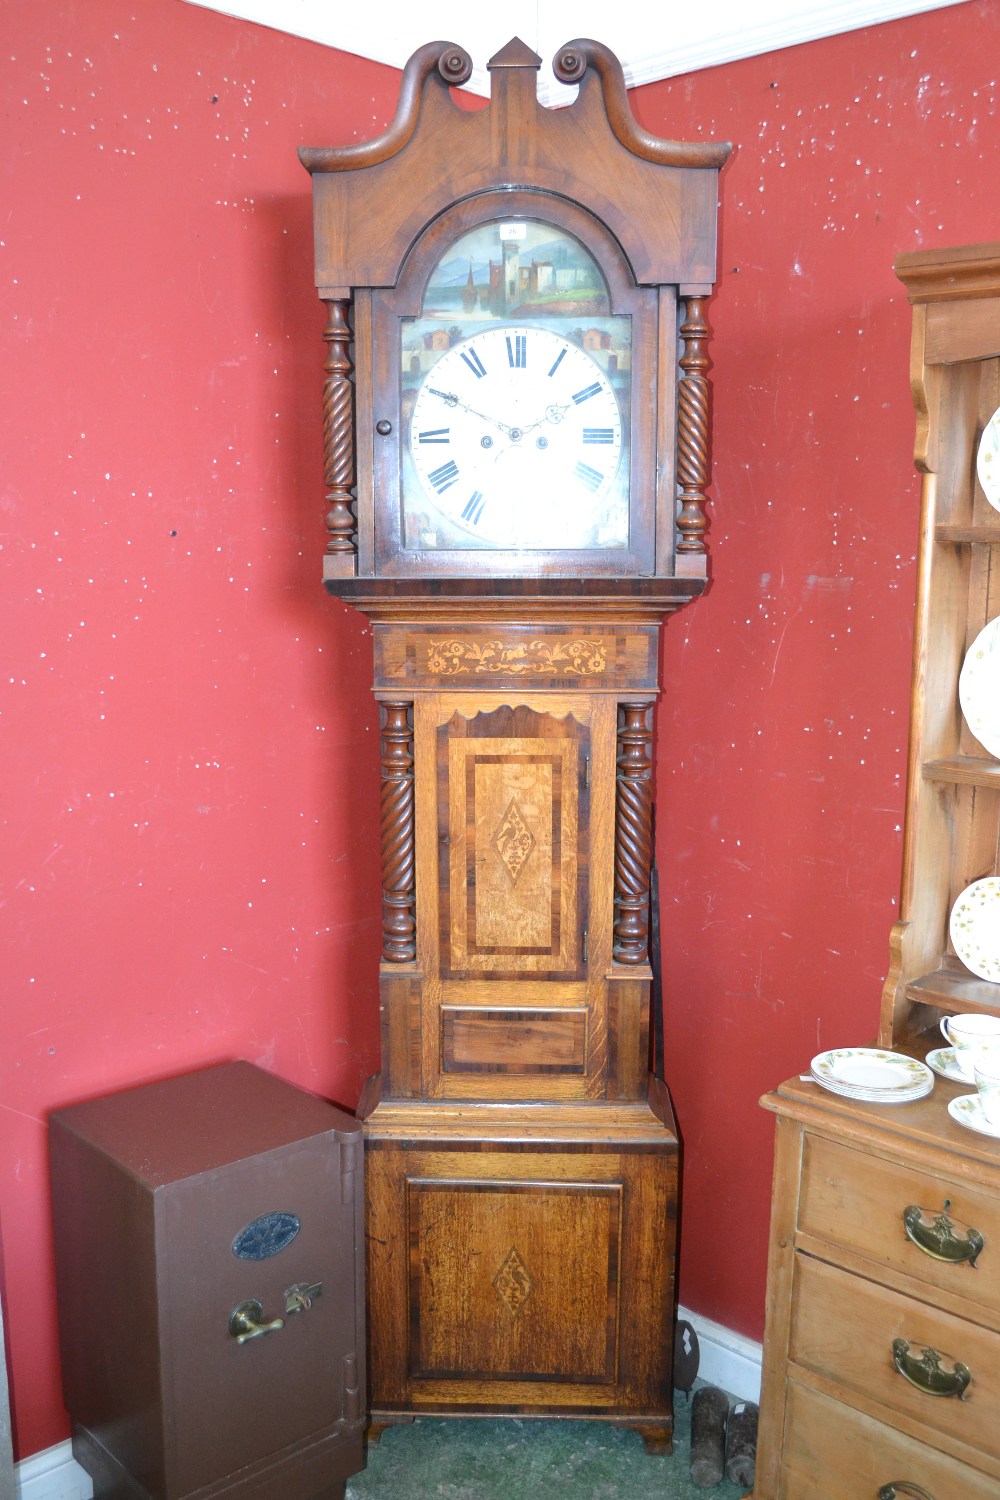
(525, 270)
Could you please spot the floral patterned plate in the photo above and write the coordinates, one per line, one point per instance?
(872, 1074)
(968, 1110)
(975, 927)
(979, 686)
(988, 460)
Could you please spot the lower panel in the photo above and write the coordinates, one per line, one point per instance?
(490, 1266)
(532, 1276)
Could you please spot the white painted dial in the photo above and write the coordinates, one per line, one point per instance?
(517, 439)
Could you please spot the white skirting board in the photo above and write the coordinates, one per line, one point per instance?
(728, 1360)
(53, 1474)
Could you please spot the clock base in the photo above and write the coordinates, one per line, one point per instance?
(521, 1261)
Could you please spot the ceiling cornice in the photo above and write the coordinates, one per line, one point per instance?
(693, 37)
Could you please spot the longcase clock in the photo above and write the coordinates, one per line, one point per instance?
(516, 432)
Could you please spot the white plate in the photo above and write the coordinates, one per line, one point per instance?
(967, 1109)
(979, 685)
(877, 1097)
(975, 928)
(988, 460)
(873, 1071)
(942, 1060)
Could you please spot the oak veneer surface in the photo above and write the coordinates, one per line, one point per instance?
(845, 1280)
(838, 1453)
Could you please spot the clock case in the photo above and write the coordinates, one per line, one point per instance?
(644, 208)
(521, 1160)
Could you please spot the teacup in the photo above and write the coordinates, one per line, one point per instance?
(987, 1072)
(966, 1035)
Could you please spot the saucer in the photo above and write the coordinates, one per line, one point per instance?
(967, 1109)
(942, 1060)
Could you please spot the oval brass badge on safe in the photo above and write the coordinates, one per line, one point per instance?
(266, 1236)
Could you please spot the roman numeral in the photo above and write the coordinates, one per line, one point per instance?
(438, 435)
(474, 363)
(558, 361)
(586, 393)
(517, 351)
(443, 478)
(474, 508)
(588, 476)
(598, 434)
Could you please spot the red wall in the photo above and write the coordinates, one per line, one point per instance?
(782, 742)
(188, 866)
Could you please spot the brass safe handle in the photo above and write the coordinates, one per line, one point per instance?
(245, 1322)
(938, 1238)
(926, 1373)
(903, 1487)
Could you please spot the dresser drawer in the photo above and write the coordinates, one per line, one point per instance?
(841, 1454)
(843, 1327)
(857, 1201)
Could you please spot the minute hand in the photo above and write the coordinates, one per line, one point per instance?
(450, 399)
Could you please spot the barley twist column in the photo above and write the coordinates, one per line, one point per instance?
(399, 923)
(692, 428)
(338, 428)
(633, 833)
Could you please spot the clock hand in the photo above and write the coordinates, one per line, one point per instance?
(450, 399)
(553, 413)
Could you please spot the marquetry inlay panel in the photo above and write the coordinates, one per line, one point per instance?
(496, 1301)
(559, 657)
(512, 824)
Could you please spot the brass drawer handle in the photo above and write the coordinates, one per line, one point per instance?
(246, 1322)
(926, 1372)
(938, 1239)
(903, 1487)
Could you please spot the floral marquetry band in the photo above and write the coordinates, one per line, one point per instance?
(454, 657)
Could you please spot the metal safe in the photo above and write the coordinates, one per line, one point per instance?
(210, 1264)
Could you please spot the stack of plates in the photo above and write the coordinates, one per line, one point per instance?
(871, 1075)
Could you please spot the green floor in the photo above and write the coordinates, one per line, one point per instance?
(516, 1459)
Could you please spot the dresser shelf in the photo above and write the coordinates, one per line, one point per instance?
(847, 1279)
(951, 833)
(964, 770)
(987, 534)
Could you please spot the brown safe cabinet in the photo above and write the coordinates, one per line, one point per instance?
(882, 1350)
(210, 1264)
(516, 450)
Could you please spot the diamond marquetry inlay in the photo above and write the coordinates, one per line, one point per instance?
(513, 841)
(514, 1285)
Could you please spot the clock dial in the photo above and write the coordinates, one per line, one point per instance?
(517, 440)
